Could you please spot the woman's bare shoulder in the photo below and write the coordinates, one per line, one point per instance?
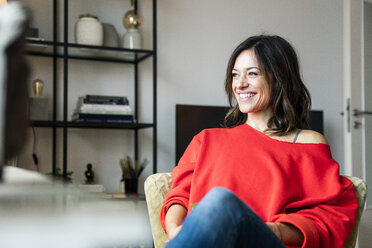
(310, 136)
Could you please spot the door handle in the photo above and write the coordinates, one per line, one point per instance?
(357, 112)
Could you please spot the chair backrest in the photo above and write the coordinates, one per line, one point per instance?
(158, 185)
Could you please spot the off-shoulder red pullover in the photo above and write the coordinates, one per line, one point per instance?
(281, 181)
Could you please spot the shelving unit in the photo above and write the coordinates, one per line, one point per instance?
(66, 51)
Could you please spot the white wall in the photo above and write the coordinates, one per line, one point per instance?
(368, 88)
(195, 40)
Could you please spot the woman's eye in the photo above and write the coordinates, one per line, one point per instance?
(234, 75)
(252, 73)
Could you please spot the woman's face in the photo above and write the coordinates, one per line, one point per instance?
(249, 84)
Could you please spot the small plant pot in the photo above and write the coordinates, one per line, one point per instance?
(131, 185)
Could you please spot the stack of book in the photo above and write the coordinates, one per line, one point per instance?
(103, 109)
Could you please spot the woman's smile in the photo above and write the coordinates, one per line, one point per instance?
(246, 96)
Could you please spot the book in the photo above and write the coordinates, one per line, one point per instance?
(90, 96)
(104, 107)
(104, 112)
(103, 116)
(106, 101)
(103, 99)
(92, 108)
(92, 120)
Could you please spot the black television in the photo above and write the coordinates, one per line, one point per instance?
(191, 119)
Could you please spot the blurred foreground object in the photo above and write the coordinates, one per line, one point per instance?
(40, 212)
(13, 80)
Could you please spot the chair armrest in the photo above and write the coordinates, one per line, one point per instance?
(361, 193)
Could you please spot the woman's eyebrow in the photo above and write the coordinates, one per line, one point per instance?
(248, 68)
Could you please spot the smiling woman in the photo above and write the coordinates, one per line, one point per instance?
(261, 181)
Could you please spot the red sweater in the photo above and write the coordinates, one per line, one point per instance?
(281, 181)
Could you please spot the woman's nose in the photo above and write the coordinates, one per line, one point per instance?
(242, 82)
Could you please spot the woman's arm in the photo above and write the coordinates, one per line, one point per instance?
(287, 233)
(174, 219)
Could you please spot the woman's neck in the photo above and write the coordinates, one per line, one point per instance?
(259, 120)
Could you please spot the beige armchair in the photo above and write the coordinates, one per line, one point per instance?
(158, 185)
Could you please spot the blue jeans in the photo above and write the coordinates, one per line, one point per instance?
(221, 219)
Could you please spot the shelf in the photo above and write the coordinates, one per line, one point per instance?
(71, 124)
(59, 51)
(85, 52)
(122, 196)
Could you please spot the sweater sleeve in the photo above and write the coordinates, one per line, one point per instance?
(181, 179)
(325, 224)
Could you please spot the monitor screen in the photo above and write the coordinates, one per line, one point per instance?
(191, 119)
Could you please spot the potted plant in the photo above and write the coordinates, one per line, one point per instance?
(130, 173)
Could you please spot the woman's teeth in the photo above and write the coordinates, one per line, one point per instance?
(246, 95)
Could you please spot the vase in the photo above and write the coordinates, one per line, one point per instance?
(132, 39)
(110, 35)
(89, 31)
(131, 185)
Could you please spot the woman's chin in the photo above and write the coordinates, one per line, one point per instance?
(245, 109)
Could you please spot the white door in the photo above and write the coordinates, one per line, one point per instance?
(358, 102)
(358, 89)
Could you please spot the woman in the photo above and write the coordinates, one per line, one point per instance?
(263, 181)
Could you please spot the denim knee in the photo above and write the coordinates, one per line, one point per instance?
(221, 195)
(220, 191)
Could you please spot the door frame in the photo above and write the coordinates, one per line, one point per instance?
(354, 138)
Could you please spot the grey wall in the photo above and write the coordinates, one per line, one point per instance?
(195, 40)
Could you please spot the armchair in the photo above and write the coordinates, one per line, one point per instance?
(158, 185)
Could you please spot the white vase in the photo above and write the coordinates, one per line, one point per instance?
(89, 31)
(132, 39)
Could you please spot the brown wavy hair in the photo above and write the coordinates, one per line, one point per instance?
(290, 100)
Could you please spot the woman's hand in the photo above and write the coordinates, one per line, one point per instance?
(173, 232)
(174, 219)
(275, 229)
(287, 233)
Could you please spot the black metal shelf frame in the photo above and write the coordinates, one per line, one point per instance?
(73, 124)
(87, 52)
(60, 50)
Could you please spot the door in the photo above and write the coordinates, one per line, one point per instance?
(358, 102)
(358, 89)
